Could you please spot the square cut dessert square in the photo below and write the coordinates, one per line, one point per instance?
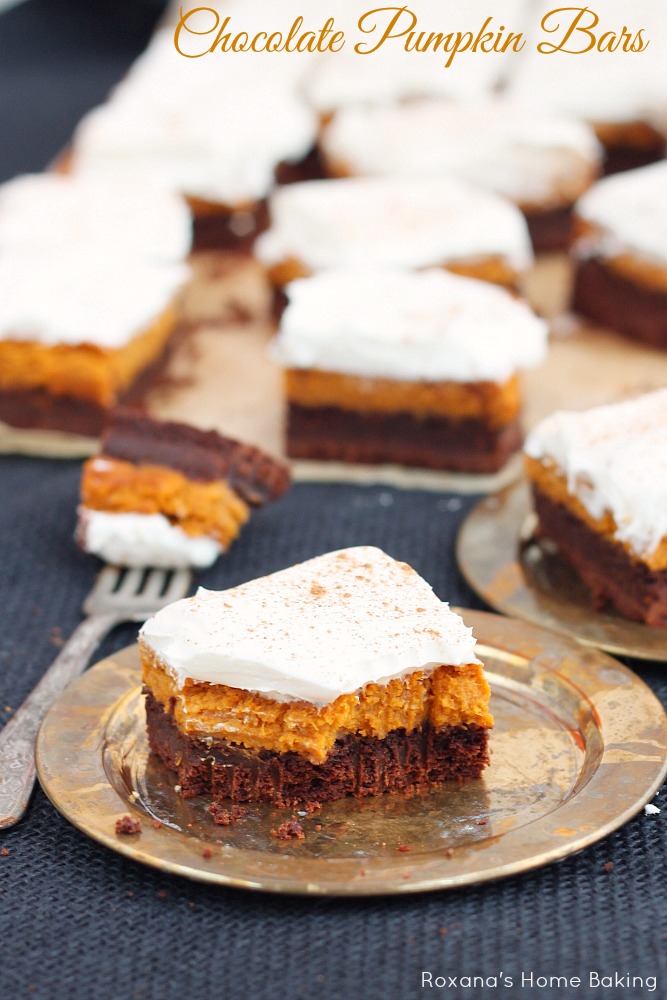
(621, 93)
(90, 274)
(81, 330)
(621, 251)
(217, 135)
(540, 163)
(393, 222)
(344, 675)
(162, 493)
(599, 481)
(417, 368)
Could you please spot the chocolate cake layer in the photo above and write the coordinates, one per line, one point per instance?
(225, 230)
(433, 443)
(356, 766)
(310, 168)
(612, 575)
(618, 158)
(612, 300)
(205, 456)
(551, 230)
(38, 409)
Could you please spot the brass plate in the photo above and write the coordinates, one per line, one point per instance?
(520, 575)
(580, 744)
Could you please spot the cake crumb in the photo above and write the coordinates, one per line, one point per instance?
(317, 590)
(442, 931)
(127, 827)
(57, 636)
(449, 852)
(318, 827)
(403, 848)
(157, 824)
(650, 809)
(225, 817)
(482, 822)
(608, 866)
(4, 852)
(207, 853)
(291, 829)
(161, 894)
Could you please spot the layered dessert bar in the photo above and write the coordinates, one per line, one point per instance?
(90, 277)
(397, 222)
(540, 163)
(599, 481)
(415, 368)
(621, 250)
(162, 493)
(215, 134)
(344, 675)
(79, 332)
(620, 92)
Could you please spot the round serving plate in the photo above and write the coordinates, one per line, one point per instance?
(522, 575)
(579, 746)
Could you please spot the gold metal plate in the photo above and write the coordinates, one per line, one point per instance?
(521, 575)
(580, 744)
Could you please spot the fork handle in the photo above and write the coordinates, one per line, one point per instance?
(17, 739)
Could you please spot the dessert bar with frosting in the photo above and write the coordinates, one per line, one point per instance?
(90, 277)
(162, 493)
(599, 481)
(214, 130)
(621, 252)
(542, 163)
(416, 368)
(344, 675)
(397, 222)
(621, 92)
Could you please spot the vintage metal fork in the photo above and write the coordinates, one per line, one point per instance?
(119, 595)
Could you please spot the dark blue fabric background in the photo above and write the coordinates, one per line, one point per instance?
(78, 922)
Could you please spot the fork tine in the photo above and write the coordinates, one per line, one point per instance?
(105, 584)
(131, 582)
(178, 585)
(155, 583)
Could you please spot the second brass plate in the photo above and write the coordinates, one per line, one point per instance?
(579, 745)
(523, 576)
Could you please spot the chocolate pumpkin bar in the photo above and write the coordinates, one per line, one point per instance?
(411, 368)
(344, 675)
(162, 493)
(599, 481)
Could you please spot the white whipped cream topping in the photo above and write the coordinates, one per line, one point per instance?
(614, 459)
(143, 540)
(77, 296)
(53, 212)
(313, 632)
(421, 325)
(346, 78)
(213, 128)
(391, 221)
(629, 213)
(602, 87)
(531, 159)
